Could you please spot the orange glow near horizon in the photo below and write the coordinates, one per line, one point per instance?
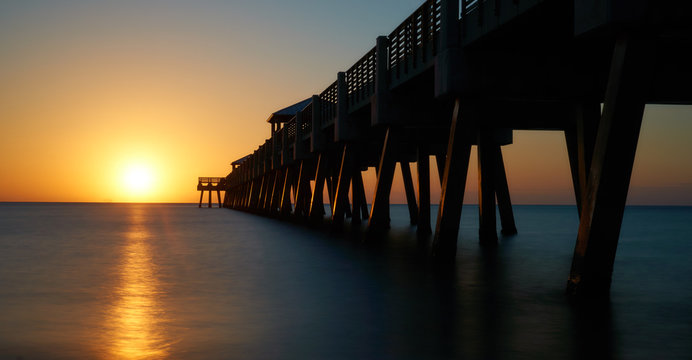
(88, 90)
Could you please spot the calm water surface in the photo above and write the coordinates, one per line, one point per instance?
(131, 281)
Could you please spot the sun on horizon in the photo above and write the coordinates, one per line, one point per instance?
(138, 179)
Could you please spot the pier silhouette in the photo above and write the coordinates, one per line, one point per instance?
(457, 74)
(210, 184)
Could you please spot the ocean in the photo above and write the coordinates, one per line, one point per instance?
(173, 281)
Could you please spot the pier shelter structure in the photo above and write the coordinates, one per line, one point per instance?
(210, 184)
(463, 73)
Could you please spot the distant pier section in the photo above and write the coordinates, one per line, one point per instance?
(210, 184)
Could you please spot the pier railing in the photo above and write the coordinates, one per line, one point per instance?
(360, 80)
(410, 49)
(210, 180)
(328, 98)
(306, 124)
(413, 43)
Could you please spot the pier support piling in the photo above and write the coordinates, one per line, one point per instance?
(423, 167)
(303, 187)
(487, 164)
(611, 168)
(453, 181)
(286, 193)
(379, 214)
(410, 192)
(359, 193)
(343, 184)
(504, 202)
(440, 160)
(317, 202)
(580, 139)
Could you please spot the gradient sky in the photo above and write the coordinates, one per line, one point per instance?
(89, 89)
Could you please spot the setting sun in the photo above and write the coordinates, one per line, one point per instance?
(138, 179)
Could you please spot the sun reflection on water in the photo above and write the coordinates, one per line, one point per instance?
(137, 318)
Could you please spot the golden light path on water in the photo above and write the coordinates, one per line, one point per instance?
(137, 320)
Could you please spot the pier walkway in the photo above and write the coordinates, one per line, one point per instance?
(457, 74)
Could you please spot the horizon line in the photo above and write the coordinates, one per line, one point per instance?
(195, 203)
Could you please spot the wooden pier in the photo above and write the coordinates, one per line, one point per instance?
(210, 184)
(457, 74)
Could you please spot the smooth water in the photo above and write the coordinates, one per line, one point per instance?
(132, 281)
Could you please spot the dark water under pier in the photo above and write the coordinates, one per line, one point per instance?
(109, 281)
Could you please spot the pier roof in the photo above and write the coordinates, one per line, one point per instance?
(285, 114)
(240, 161)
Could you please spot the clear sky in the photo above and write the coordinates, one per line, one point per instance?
(99, 98)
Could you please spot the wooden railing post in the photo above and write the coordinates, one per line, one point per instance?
(317, 137)
(380, 103)
(253, 162)
(299, 151)
(274, 164)
(284, 147)
(446, 62)
(343, 130)
(423, 165)
(449, 24)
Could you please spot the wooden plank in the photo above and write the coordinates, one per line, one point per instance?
(611, 167)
